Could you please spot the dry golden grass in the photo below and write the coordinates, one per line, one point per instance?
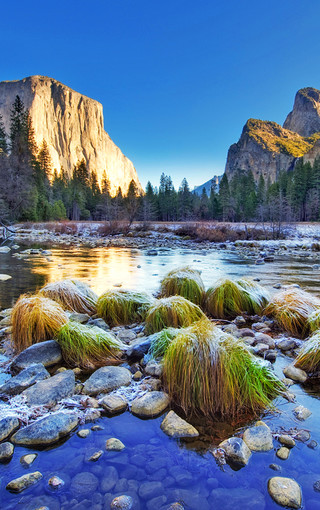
(211, 373)
(185, 282)
(35, 319)
(71, 295)
(291, 308)
(172, 312)
(308, 358)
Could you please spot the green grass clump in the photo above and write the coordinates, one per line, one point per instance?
(71, 295)
(172, 312)
(88, 346)
(226, 298)
(211, 373)
(185, 282)
(118, 307)
(308, 358)
(161, 341)
(314, 321)
(35, 319)
(291, 308)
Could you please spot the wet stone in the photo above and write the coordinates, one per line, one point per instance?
(114, 444)
(283, 453)
(176, 427)
(258, 438)
(301, 413)
(55, 482)
(265, 339)
(23, 482)
(316, 486)
(287, 440)
(27, 460)
(275, 467)
(6, 452)
(95, 456)
(46, 430)
(8, 425)
(313, 444)
(151, 404)
(302, 435)
(237, 498)
(236, 450)
(285, 491)
(122, 503)
(26, 378)
(294, 373)
(48, 353)
(286, 344)
(83, 433)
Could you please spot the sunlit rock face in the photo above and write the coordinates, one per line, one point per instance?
(72, 125)
(305, 116)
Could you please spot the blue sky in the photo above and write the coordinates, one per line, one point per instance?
(177, 79)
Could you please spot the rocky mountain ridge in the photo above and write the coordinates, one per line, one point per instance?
(266, 148)
(73, 127)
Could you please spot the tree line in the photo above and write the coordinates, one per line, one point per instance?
(31, 190)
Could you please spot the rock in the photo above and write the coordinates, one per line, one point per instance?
(100, 323)
(239, 320)
(154, 368)
(176, 427)
(26, 378)
(27, 460)
(302, 435)
(81, 318)
(151, 404)
(122, 503)
(237, 498)
(46, 430)
(275, 467)
(126, 335)
(114, 444)
(175, 506)
(287, 382)
(83, 433)
(113, 404)
(246, 332)
(287, 440)
(95, 456)
(8, 425)
(277, 286)
(294, 373)
(262, 338)
(283, 453)
(139, 348)
(285, 492)
(137, 376)
(305, 117)
(55, 482)
(260, 349)
(110, 478)
(84, 483)
(301, 413)
(50, 391)
(150, 490)
(316, 486)
(270, 355)
(313, 444)
(48, 353)
(236, 450)
(92, 415)
(24, 481)
(107, 379)
(68, 142)
(287, 344)
(258, 438)
(152, 252)
(6, 452)
(4, 278)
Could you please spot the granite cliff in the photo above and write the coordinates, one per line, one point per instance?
(266, 148)
(72, 125)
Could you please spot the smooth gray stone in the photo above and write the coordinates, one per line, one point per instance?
(51, 390)
(27, 377)
(8, 425)
(48, 353)
(107, 379)
(47, 430)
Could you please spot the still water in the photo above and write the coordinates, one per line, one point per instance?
(154, 469)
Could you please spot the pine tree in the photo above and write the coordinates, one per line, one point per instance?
(3, 138)
(224, 197)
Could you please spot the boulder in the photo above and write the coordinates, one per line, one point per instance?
(6, 452)
(48, 353)
(23, 482)
(8, 425)
(113, 404)
(294, 373)
(176, 427)
(236, 450)
(107, 379)
(285, 491)
(139, 348)
(151, 404)
(46, 430)
(258, 438)
(262, 338)
(27, 377)
(50, 391)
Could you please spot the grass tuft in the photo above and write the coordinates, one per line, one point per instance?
(35, 319)
(71, 295)
(211, 373)
(227, 298)
(308, 358)
(314, 321)
(88, 346)
(161, 341)
(118, 307)
(185, 282)
(172, 312)
(291, 308)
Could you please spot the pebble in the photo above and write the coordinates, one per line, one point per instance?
(27, 460)
(83, 433)
(122, 503)
(95, 456)
(55, 482)
(313, 444)
(283, 453)
(114, 444)
(275, 467)
(287, 440)
(23, 482)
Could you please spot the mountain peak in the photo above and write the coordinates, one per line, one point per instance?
(305, 116)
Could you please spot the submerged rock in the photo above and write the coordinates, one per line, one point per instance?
(294, 373)
(55, 482)
(8, 425)
(107, 379)
(122, 503)
(258, 438)
(150, 405)
(84, 483)
(176, 427)
(48, 353)
(24, 481)
(237, 498)
(114, 444)
(301, 413)
(47, 430)
(236, 450)
(50, 391)
(27, 460)
(6, 452)
(285, 491)
(27, 377)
